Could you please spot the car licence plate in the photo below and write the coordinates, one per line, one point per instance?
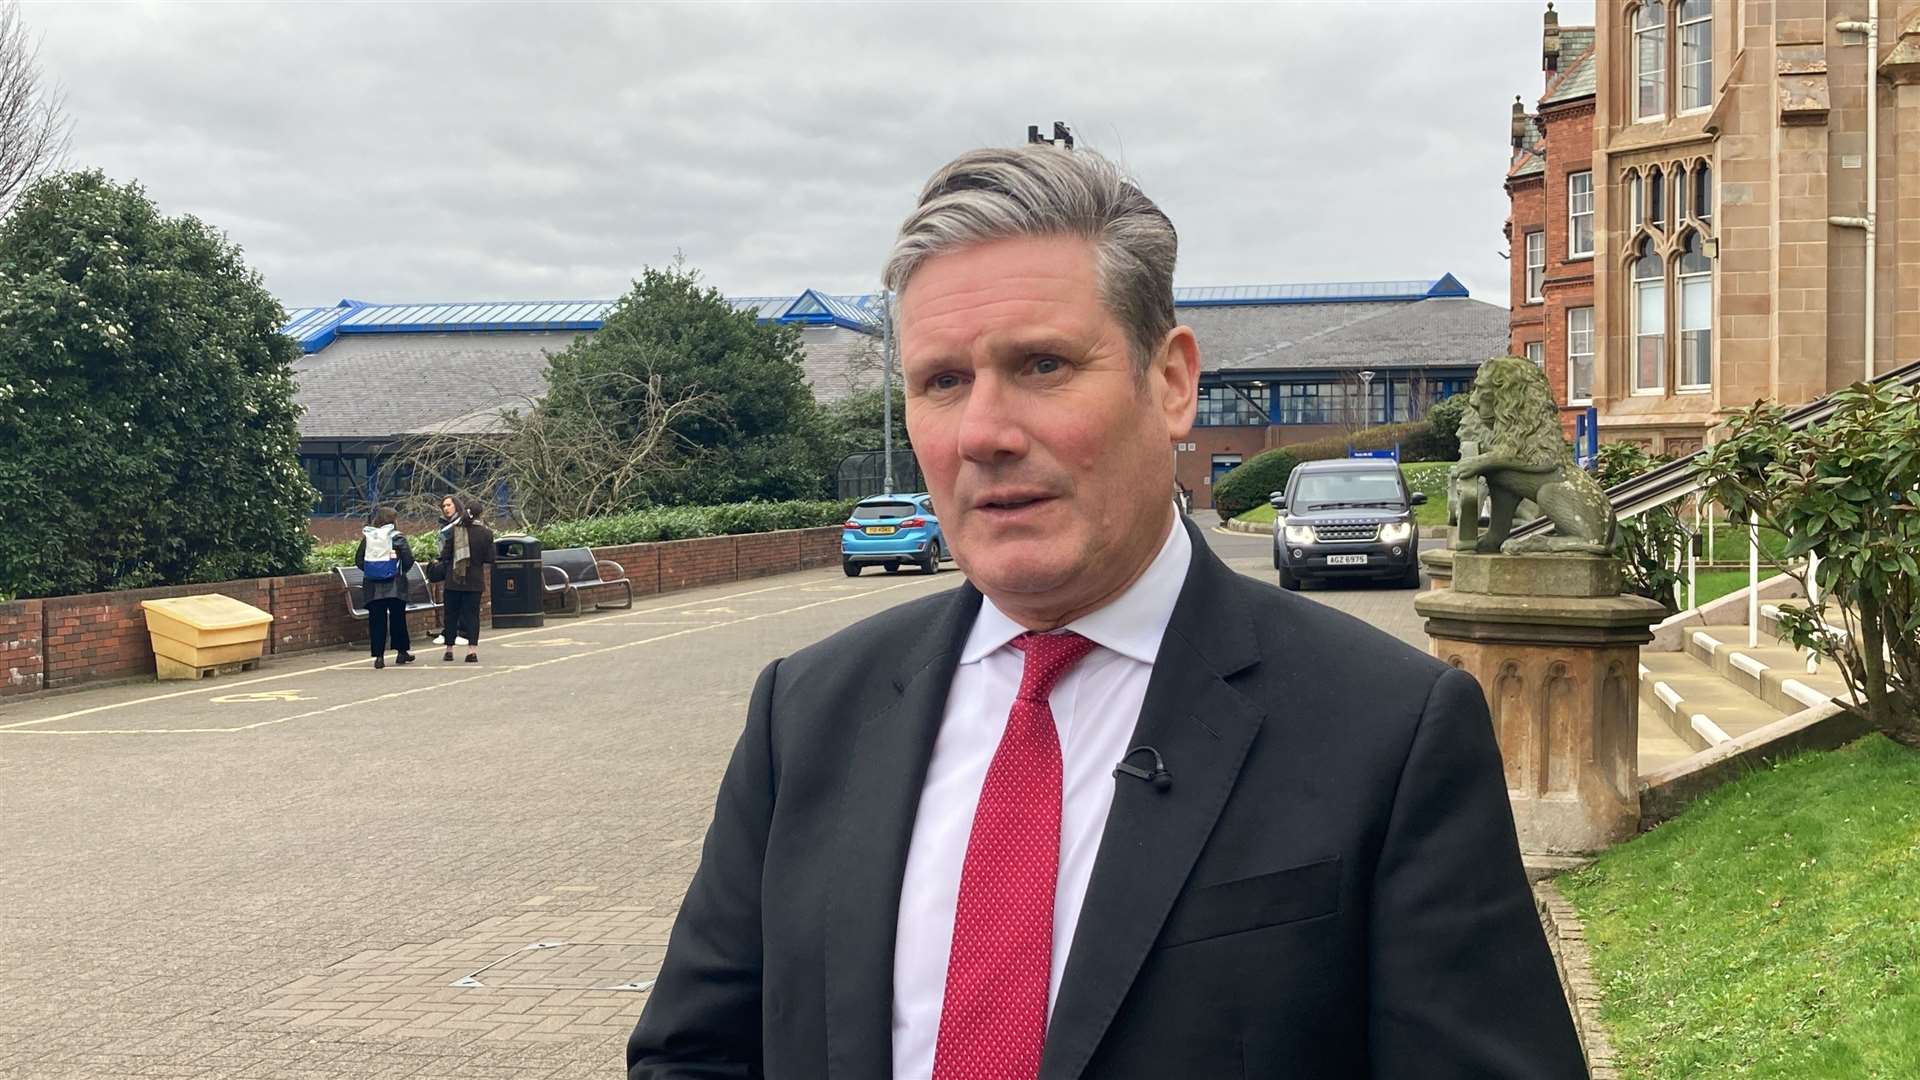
(881, 530)
(1346, 560)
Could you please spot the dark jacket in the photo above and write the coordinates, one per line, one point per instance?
(398, 588)
(1330, 887)
(480, 556)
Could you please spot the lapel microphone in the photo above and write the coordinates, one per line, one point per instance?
(1158, 776)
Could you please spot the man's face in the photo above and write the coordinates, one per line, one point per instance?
(1050, 459)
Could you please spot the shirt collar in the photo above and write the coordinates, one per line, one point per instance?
(1131, 625)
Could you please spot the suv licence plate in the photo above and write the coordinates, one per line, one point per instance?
(881, 530)
(1346, 560)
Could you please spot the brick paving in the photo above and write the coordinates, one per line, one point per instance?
(320, 870)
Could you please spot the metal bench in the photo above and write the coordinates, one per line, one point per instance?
(568, 570)
(354, 581)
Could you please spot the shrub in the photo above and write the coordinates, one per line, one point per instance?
(1644, 543)
(1250, 484)
(1443, 429)
(639, 527)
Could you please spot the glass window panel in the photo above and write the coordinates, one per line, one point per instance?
(1696, 56)
(1537, 352)
(1696, 303)
(1650, 61)
(1580, 354)
(1656, 197)
(1680, 188)
(1536, 264)
(1580, 214)
(1703, 192)
(1634, 205)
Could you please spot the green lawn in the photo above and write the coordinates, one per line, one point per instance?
(1427, 476)
(1772, 931)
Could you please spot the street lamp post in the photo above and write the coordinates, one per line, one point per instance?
(1366, 398)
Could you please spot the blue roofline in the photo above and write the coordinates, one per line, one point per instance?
(316, 327)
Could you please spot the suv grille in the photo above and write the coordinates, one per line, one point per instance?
(1346, 532)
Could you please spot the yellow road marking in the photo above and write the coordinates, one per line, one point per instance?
(491, 673)
(77, 713)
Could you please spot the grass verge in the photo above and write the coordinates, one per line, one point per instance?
(1770, 932)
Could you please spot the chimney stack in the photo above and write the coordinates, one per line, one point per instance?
(1550, 40)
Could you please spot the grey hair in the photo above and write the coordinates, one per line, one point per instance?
(999, 193)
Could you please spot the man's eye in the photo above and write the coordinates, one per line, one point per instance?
(1047, 365)
(946, 380)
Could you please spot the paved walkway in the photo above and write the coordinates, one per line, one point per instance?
(322, 870)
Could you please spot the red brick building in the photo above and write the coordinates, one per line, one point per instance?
(1551, 227)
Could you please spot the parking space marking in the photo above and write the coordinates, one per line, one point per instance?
(262, 695)
(17, 725)
(490, 673)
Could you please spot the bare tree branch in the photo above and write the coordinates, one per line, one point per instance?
(34, 130)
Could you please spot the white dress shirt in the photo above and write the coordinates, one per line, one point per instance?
(1095, 707)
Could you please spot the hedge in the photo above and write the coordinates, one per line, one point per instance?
(1249, 484)
(639, 527)
(1414, 440)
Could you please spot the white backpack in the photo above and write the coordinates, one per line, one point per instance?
(382, 562)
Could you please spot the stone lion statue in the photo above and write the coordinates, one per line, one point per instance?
(1521, 455)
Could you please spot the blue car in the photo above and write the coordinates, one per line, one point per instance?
(889, 530)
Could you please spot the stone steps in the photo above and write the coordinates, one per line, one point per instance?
(1772, 671)
(1695, 703)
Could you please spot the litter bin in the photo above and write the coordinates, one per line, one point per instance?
(518, 599)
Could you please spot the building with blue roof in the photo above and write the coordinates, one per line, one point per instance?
(1281, 365)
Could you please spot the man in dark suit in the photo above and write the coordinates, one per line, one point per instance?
(1108, 810)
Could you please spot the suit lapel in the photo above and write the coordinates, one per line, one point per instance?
(1203, 729)
(887, 769)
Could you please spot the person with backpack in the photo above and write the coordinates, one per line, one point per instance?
(384, 558)
(465, 553)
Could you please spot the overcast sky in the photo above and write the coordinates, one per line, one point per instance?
(419, 152)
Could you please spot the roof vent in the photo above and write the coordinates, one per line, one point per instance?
(1550, 40)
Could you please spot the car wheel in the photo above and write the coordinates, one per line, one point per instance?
(1289, 580)
(893, 567)
(852, 568)
(930, 562)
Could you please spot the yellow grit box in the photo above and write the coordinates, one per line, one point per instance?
(196, 636)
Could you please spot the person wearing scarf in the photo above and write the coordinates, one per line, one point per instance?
(465, 556)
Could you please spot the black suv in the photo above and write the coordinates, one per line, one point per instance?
(1349, 517)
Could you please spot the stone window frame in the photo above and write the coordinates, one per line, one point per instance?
(1668, 242)
(1676, 18)
(1574, 216)
(1572, 366)
(1534, 274)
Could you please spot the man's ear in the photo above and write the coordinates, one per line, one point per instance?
(1175, 376)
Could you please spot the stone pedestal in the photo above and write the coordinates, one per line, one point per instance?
(1438, 563)
(1556, 648)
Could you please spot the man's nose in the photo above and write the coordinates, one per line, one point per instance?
(990, 425)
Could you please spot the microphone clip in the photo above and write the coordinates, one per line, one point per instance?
(1157, 775)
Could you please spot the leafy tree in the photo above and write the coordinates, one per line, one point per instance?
(856, 421)
(758, 433)
(1645, 543)
(1848, 490)
(1443, 423)
(147, 423)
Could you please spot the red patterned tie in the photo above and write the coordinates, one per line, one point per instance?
(993, 1021)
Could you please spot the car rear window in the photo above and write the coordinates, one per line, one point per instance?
(890, 510)
(1347, 487)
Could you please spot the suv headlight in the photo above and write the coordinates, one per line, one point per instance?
(1396, 532)
(1299, 534)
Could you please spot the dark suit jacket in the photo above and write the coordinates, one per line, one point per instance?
(1330, 888)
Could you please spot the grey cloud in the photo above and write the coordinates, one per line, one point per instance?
(433, 151)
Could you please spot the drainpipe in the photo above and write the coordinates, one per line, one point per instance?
(1872, 29)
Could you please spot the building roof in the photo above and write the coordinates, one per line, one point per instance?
(1530, 158)
(375, 371)
(1436, 332)
(316, 328)
(1577, 76)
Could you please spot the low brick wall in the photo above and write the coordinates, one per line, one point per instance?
(71, 640)
(1567, 940)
